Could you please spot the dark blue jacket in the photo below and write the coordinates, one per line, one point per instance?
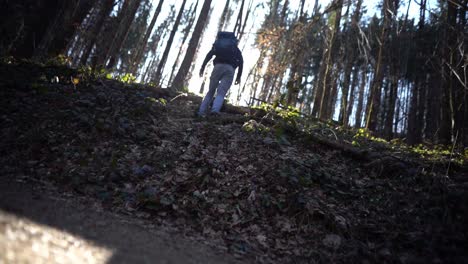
(235, 60)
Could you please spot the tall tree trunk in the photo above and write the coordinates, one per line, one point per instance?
(23, 24)
(298, 60)
(224, 16)
(416, 114)
(397, 117)
(352, 95)
(193, 13)
(390, 113)
(180, 79)
(328, 65)
(163, 60)
(122, 33)
(238, 25)
(273, 22)
(360, 104)
(434, 106)
(458, 75)
(445, 72)
(414, 132)
(331, 103)
(376, 88)
(319, 89)
(350, 58)
(248, 12)
(104, 12)
(60, 32)
(108, 36)
(142, 45)
(463, 89)
(394, 77)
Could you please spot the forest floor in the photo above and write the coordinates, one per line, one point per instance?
(116, 172)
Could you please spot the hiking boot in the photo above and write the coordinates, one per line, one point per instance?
(201, 116)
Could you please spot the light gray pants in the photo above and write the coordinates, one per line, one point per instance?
(220, 82)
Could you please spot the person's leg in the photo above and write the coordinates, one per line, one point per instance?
(223, 87)
(214, 81)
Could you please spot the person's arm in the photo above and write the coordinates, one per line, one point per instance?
(240, 59)
(207, 59)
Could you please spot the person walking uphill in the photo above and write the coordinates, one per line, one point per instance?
(228, 58)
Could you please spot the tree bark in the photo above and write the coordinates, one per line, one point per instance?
(238, 25)
(60, 32)
(394, 75)
(360, 104)
(180, 79)
(350, 58)
(376, 88)
(327, 86)
(352, 95)
(163, 60)
(458, 75)
(104, 12)
(416, 114)
(124, 28)
(144, 42)
(224, 16)
(193, 13)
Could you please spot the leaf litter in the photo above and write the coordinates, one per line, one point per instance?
(231, 179)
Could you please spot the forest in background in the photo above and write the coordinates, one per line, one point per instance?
(303, 175)
(396, 76)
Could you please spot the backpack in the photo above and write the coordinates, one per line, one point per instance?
(225, 45)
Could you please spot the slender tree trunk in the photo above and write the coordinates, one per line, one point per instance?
(186, 31)
(397, 117)
(104, 12)
(414, 132)
(458, 75)
(416, 114)
(224, 16)
(324, 112)
(445, 135)
(163, 60)
(23, 24)
(144, 42)
(319, 90)
(63, 28)
(238, 24)
(376, 88)
(352, 96)
(180, 79)
(108, 36)
(344, 98)
(434, 106)
(350, 58)
(248, 12)
(122, 33)
(390, 113)
(331, 104)
(394, 74)
(360, 104)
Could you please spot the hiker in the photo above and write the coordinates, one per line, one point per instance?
(228, 58)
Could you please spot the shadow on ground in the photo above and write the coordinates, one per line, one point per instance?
(129, 242)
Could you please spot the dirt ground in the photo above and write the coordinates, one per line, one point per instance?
(110, 172)
(42, 225)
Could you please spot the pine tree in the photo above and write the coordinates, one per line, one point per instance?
(104, 11)
(180, 79)
(162, 62)
(142, 45)
(128, 14)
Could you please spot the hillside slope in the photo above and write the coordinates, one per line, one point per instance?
(260, 187)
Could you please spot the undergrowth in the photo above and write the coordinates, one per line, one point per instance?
(291, 117)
